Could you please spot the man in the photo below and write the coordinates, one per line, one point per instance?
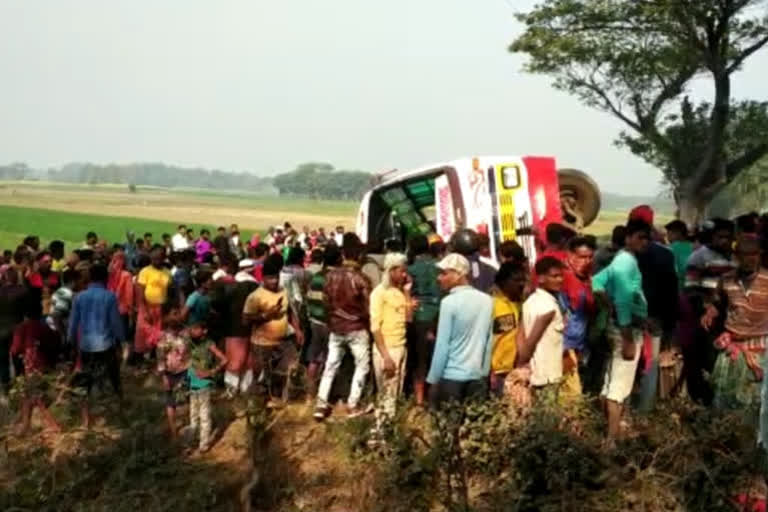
(148, 239)
(96, 329)
(304, 239)
(742, 299)
(167, 244)
(266, 311)
(348, 292)
(681, 247)
(56, 248)
(657, 267)
(91, 239)
(512, 252)
(461, 362)
(179, 241)
(391, 309)
(338, 236)
(152, 286)
(579, 305)
(704, 269)
(557, 237)
(423, 329)
(481, 276)
(43, 281)
(604, 256)
(317, 310)
(245, 272)
(622, 283)
(542, 346)
(322, 238)
(203, 246)
(507, 305)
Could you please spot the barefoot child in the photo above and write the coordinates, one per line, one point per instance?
(37, 344)
(206, 362)
(173, 359)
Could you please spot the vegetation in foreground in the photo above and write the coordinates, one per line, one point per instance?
(493, 458)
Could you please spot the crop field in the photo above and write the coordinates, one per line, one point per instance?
(66, 212)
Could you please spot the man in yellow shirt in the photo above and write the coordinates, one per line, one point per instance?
(507, 297)
(266, 311)
(390, 308)
(152, 292)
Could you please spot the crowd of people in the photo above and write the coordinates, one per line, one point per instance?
(439, 321)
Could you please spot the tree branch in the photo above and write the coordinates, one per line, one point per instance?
(608, 103)
(746, 53)
(746, 160)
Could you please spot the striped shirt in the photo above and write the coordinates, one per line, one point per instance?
(747, 305)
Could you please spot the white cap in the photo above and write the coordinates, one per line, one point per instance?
(455, 262)
(247, 263)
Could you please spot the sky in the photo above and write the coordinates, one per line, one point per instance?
(261, 86)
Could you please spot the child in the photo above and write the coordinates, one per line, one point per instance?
(198, 305)
(37, 344)
(206, 362)
(173, 357)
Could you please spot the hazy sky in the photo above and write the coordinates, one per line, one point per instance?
(262, 85)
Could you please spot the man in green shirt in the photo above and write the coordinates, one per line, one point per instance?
(681, 247)
(421, 333)
(622, 283)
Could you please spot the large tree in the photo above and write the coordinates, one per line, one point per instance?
(635, 59)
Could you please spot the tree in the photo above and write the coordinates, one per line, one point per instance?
(747, 193)
(635, 60)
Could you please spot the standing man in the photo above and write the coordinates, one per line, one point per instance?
(543, 324)
(348, 292)
(391, 310)
(152, 286)
(579, 304)
(657, 267)
(507, 305)
(622, 282)
(481, 275)
(338, 236)
(681, 247)
(97, 330)
(461, 362)
(423, 329)
(742, 298)
(179, 241)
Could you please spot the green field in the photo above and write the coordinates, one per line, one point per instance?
(17, 222)
(68, 211)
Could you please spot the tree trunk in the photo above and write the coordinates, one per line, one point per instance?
(691, 208)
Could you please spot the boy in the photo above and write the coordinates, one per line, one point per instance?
(507, 298)
(198, 305)
(37, 344)
(173, 361)
(206, 362)
(543, 324)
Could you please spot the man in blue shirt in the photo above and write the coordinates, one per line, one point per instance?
(462, 357)
(95, 327)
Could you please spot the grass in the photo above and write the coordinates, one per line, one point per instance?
(17, 222)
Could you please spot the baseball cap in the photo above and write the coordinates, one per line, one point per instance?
(455, 262)
(643, 213)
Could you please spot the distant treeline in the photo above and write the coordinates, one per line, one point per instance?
(314, 180)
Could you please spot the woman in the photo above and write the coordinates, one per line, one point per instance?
(120, 282)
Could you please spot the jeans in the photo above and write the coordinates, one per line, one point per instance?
(645, 399)
(359, 344)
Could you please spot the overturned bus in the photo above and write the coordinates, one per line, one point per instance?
(504, 197)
